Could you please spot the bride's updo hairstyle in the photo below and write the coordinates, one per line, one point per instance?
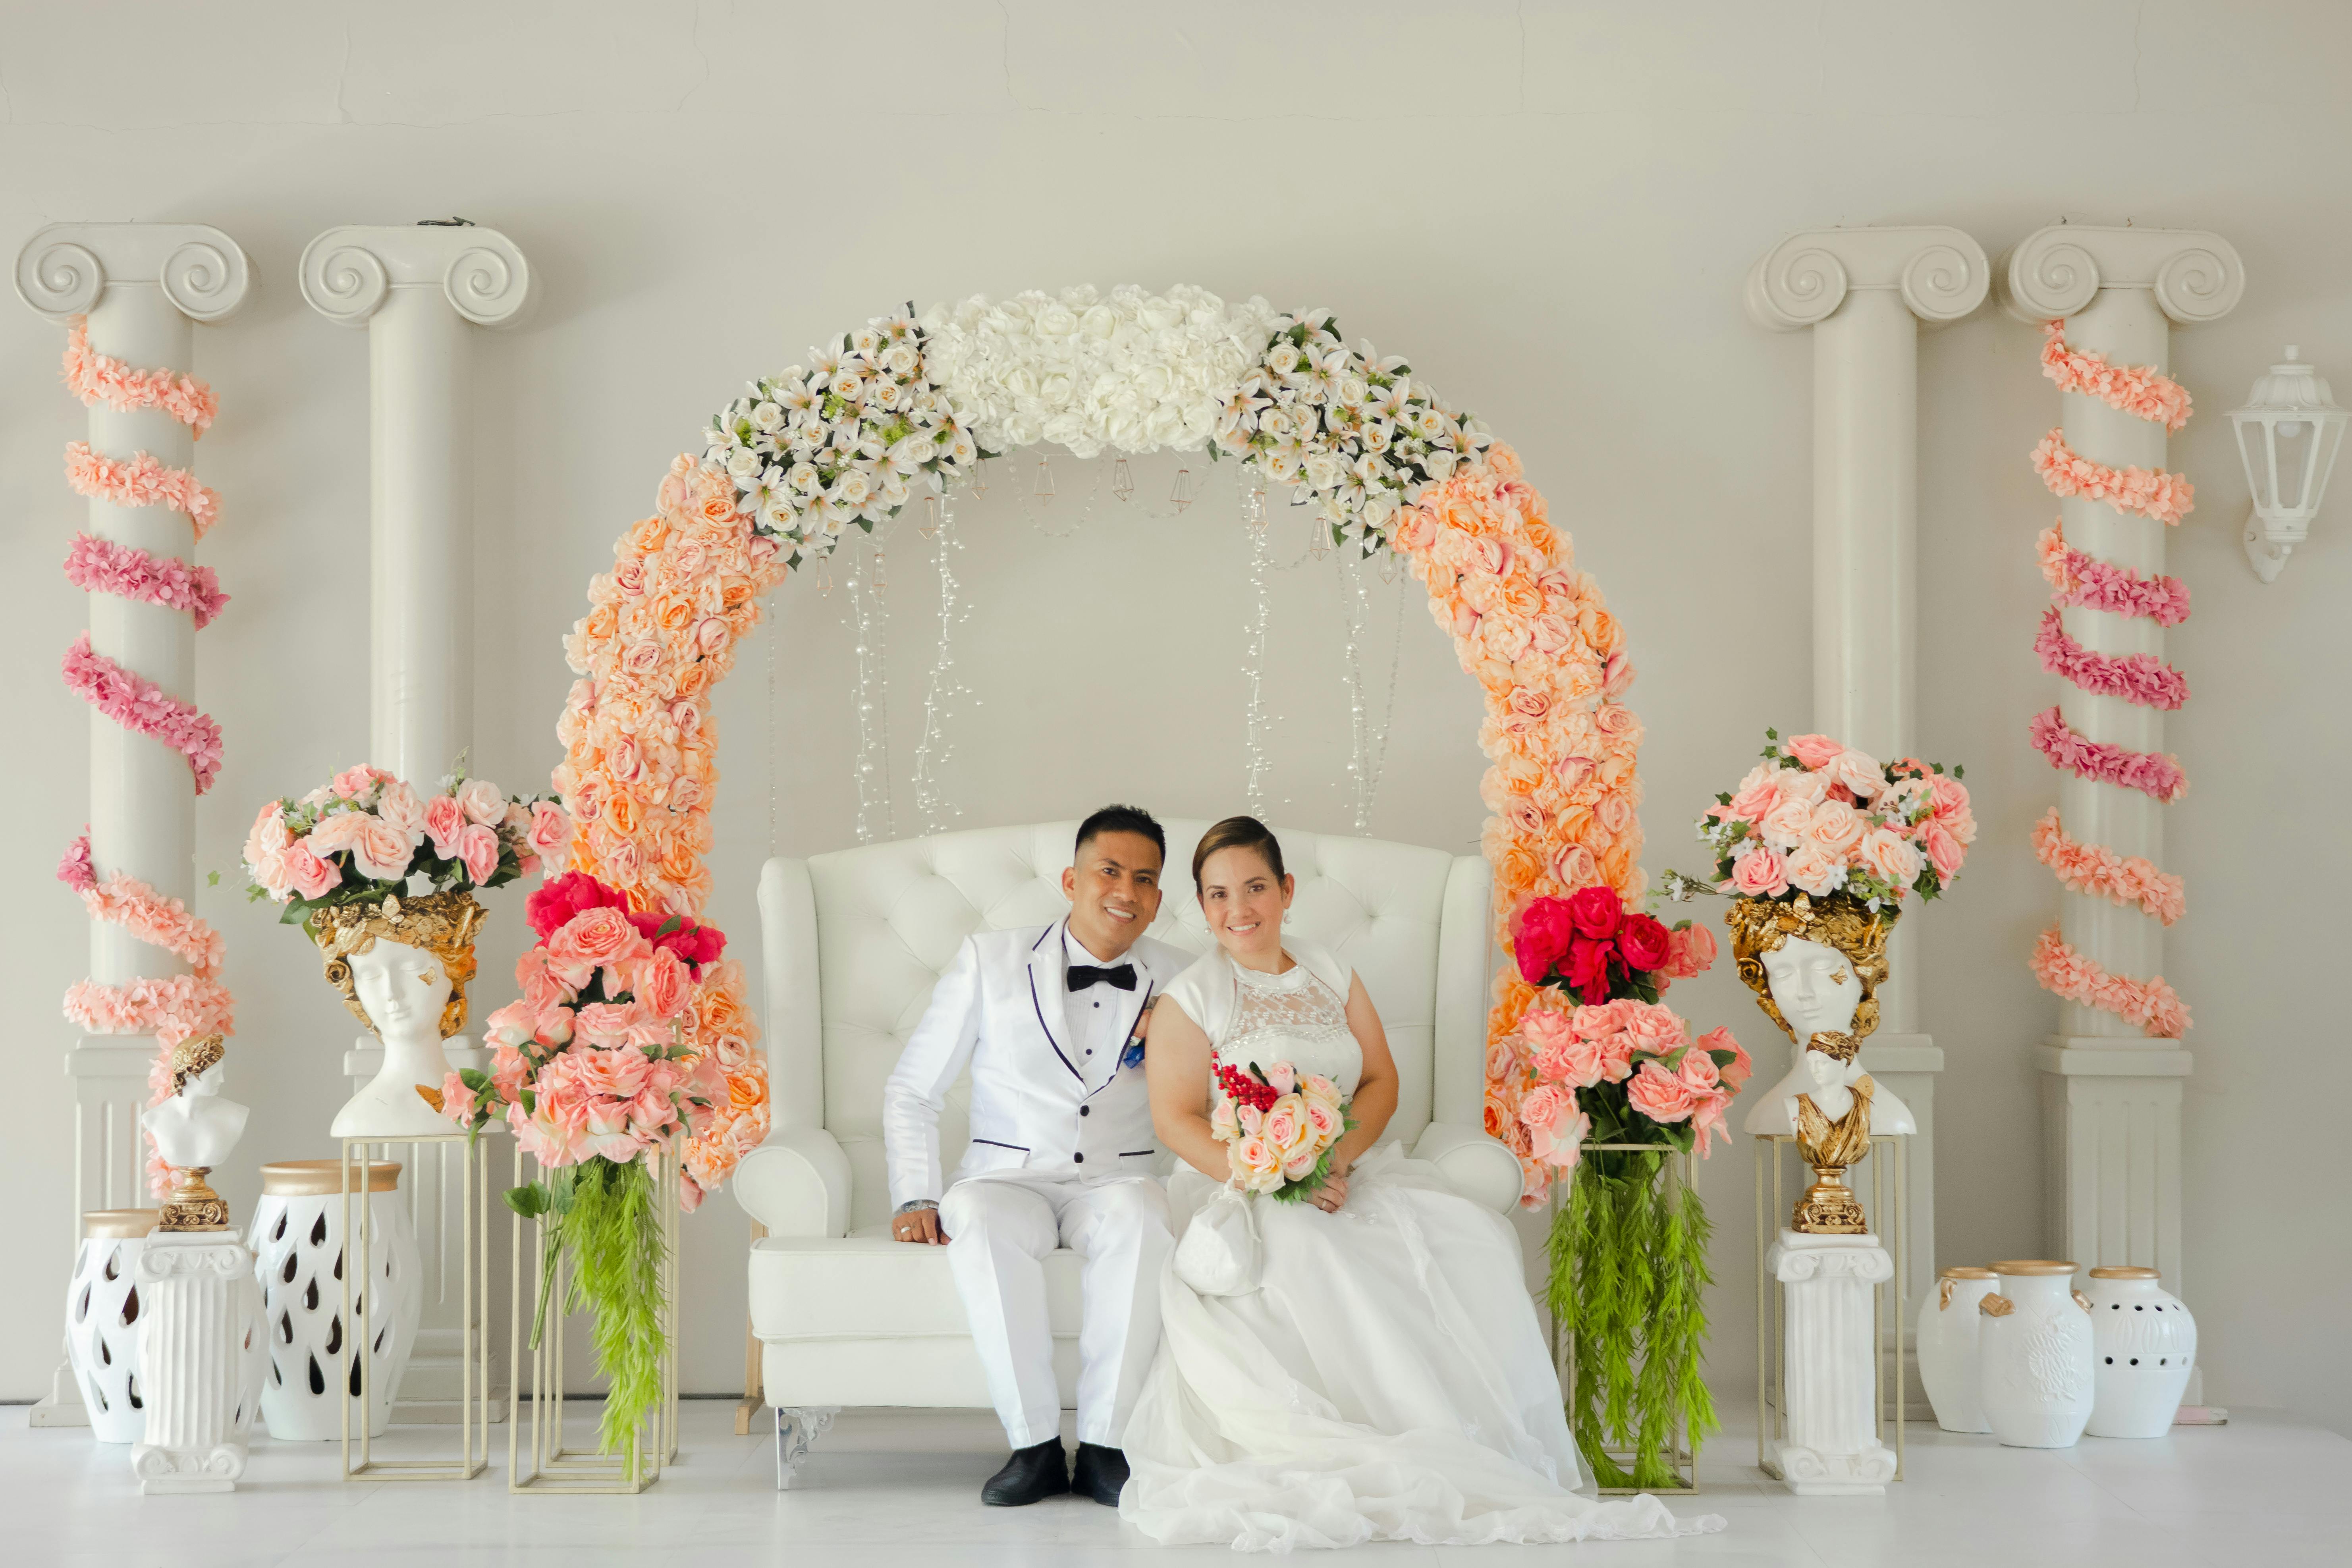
(1238, 833)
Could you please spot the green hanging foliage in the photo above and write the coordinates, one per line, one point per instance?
(1628, 1268)
(605, 1219)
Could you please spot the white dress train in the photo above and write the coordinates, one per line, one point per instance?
(1387, 1378)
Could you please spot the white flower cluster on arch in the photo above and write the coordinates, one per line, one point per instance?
(843, 439)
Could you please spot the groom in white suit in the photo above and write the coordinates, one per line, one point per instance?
(1061, 1154)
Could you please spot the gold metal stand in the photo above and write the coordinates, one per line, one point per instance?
(473, 1307)
(1683, 1170)
(549, 1465)
(1892, 1225)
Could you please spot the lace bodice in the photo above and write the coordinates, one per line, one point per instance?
(1291, 1017)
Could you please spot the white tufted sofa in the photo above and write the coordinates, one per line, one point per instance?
(854, 942)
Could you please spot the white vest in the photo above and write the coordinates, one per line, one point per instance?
(1037, 1103)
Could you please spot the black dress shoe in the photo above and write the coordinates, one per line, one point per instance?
(1100, 1474)
(1042, 1471)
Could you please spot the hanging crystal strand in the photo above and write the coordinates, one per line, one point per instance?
(1254, 661)
(774, 775)
(1380, 749)
(1356, 602)
(871, 622)
(932, 806)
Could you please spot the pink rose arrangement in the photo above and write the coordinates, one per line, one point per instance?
(365, 834)
(1279, 1126)
(1625, 1072)
(1818, 817)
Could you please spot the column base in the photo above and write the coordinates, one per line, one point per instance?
(1810, 1473)
(62, 1406)
(180, 1472)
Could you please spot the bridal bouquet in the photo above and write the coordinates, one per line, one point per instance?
(365, 835)
(1278, 1127)
(601, 1064)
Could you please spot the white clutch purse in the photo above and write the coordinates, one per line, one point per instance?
(1218, 1253)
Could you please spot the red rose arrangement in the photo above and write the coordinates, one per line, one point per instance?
(1595, 948)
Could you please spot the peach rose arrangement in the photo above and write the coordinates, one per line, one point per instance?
(607, 1059)
(1279, 1126)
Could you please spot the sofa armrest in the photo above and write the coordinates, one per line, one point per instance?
(1481, 1168)
(796, 1184)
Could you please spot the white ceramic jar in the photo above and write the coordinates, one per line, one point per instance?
(1949, 1327)
(299, 1257)
(2034, 1356)
(2144, 1341)
(103, 1310)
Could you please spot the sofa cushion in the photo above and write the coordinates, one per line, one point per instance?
(865, 1286)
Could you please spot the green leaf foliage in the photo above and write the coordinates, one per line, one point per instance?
(1628, 1268)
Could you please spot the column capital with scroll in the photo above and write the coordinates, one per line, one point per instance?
(1941, 273)
(64, 270)
(347, 273)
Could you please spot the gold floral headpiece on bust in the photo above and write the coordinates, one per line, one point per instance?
(443, 924)
(1759, 926)
(191, 1057)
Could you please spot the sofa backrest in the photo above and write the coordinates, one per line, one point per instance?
(889, 918)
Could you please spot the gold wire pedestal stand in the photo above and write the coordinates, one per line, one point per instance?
(1681, 1170)
(541, 1461)
(473, 1304)
(1890, 1221)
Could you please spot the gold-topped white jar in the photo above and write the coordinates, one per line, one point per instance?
(1948, 1328)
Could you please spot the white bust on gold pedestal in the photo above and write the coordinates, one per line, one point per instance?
(402, 966)
(195, 1129)
(1819, 990)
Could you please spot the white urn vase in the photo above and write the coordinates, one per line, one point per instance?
(299, 1257)
(1950, 1328)
(2034, 1356)
(2144, 1341)
(102, 1308)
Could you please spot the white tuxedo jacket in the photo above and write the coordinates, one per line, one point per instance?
(1037, 1102)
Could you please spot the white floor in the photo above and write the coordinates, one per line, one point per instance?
(888, 1488)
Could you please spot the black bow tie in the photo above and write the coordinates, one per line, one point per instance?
(1085, 975)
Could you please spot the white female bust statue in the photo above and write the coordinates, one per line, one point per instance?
(1812, 988)
(402, 966)
(193, 1132)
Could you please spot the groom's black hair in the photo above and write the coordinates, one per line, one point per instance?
(1121, 819)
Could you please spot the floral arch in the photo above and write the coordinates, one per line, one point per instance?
(911, 402)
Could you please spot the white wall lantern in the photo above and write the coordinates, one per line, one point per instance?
(2288, 434)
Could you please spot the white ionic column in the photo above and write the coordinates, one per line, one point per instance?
(1863, 293)
(142, 288)
(202, 1346)
(2111, 1097)
(1830, 1359)
(420, 292)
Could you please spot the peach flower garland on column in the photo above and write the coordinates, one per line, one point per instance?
(181, 1007)
(2077, 579)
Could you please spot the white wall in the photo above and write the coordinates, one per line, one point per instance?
(1549, 208)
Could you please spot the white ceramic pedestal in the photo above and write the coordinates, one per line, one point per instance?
(1832, 1445)
(102, 1308)
(300, 1254)
(201, 1355)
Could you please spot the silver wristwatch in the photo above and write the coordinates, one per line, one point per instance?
(911, 1205)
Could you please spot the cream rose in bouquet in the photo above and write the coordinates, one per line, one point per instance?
(1278, 1127)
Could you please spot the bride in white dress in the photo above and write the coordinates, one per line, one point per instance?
(1377, 1372)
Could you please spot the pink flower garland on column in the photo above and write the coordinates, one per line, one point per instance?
(2077, 579)
(181, 1007)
